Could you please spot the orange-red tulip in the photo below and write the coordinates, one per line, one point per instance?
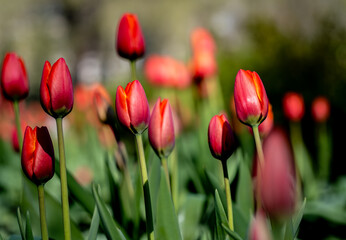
(320, 109)
(293, 106)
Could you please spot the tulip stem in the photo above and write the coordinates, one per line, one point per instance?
(165, 168)
(258, 145)
(63, 181)
(19, 129)
(146, 190)
(175, 180)
(133, 70)
(228, 195)
(44, 230)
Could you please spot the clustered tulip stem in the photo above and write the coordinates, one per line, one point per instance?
(18, 127)
(63, 181)
(228, 195)
(146, 189)
(44, 229)
(165, 168)
(133, 69)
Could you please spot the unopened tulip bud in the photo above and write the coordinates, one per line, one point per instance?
(293, 106)
(56, 91)
(320, 109)
(161, 129)
(259, 228)
(132, 107)
(221, 138)
(130, 39)
(38, 155)
(104, 109)
(14, 80)
(250, 98)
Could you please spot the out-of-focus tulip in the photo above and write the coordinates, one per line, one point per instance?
(14, 80)
(293, 105)
(83, 175)
(161, 128)
(201, 40)
(56, 91)
(250, 98)
(267, 125)
(15, 142)
(104, 109)
(221, 138)
(320, 109)
(203, 65)
(259, 228)
(277, 186)
(166, 71)
(130, 40)
(38, 155)
(132, 107)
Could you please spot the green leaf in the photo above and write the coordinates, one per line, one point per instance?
(289, 230)
(154, 182)
(20, 223)
(28, 230)
(241, 224)
(167, 226)
(221, 217)
(298, 218)
(230, 233)
(94, 226)
(1, 237)
(111, 229)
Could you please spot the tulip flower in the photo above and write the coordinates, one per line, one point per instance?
(202, 40)
(130, 40)
(320, 109)
(103, 108)
(132, 107)
(259, 229)
(56, 91)
(15, 142)
(14, 80)
(250, 98)
(267, 125)
(203, 65)
(221, 138)
(293, 106)
(38, 155)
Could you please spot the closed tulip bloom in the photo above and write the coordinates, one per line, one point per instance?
(56, 91)
(259, 228)
(161, 128)
(250, 98)
(221, 138)
(38, 155)
(104, 109)
(130, 40)
(203, 65)
(293, 105)
(14, 80)
(320, 109)
(132, 107)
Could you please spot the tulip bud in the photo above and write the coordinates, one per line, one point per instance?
(250, 98)
(221, 138)
(15, 142)
(320, 109)
(56, 91)
(161, 128)
(104, 109)
(130, 40)
(203, 65)
(267, 125)
(293, 105)
(14, 80)
(202, 40)
(277, 186)
(259, 229)
(38, 155)
(132, 107)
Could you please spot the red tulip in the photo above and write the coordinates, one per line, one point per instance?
(130, 39)
(259, 229)
(320, 109)
(277, 176)
(250, 98)
(132, 107)
(203, 65)
(104, 109)
(221, 138)
(56, 92)
(293, 105)
(267, 125)
(202, 40)
(14, 80)
(38, 155)
(161, 128)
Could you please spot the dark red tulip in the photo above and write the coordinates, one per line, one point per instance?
(38, 155)
(14, 80)
(56, 91)
(161, 128)
(132, 107)
(293, 106)
(250, 98)
(320, 109)
(130, 40)
(221, 138)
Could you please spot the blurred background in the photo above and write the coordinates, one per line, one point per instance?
(293, 45)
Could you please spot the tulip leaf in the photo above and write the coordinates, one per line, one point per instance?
(221, 217)
(167, 226)
(20, 223)
(298, 218)
(230, 233)
(28, 230)
(94, 226)
(289, 230)
(1, 238)
(241, 224)
(154, 182)
(111, 229)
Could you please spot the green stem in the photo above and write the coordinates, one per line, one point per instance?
(133, 69)
(63, 181)
(18, 127)
(165, 168)
(228, 195)
(44, 229)
(175, 178)
(258, 145)
(146, 190)
(278, 229)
